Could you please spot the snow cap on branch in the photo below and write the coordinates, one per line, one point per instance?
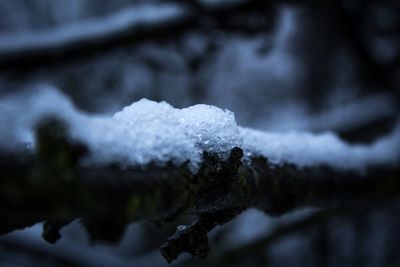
(147, 131)
(144, 132)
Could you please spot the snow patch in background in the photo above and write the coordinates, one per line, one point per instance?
(93, 29)
(147, 131)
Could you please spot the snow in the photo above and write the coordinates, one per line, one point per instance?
(143, 132)
(133, 18)
(147, 131)
(306, 149)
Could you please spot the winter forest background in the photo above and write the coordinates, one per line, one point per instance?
(314, 66)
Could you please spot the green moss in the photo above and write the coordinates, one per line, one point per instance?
(133, 207)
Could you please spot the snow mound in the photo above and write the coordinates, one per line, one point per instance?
(147, 131)
(144, 132)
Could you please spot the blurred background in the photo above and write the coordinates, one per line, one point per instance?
(278, 65)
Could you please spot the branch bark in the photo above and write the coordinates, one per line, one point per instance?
(52, 186)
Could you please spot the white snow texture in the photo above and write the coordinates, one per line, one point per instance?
(147, 131)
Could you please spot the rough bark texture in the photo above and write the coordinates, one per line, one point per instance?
(52, 186)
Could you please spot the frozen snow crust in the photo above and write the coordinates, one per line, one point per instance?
(147, 131)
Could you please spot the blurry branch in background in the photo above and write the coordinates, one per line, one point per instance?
(333, 24)
(65, 253)
(259, 246)
(360, 120)
(124, 28)
(52, 186)
(75, 40)
(355, 22)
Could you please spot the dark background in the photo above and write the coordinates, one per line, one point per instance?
(279, 65)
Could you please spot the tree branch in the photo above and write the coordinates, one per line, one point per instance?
(52, 186)
(122, 29)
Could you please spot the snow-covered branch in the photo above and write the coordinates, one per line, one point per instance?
(152, 161)
(160, 133)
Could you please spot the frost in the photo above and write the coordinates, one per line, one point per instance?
(147, 131)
